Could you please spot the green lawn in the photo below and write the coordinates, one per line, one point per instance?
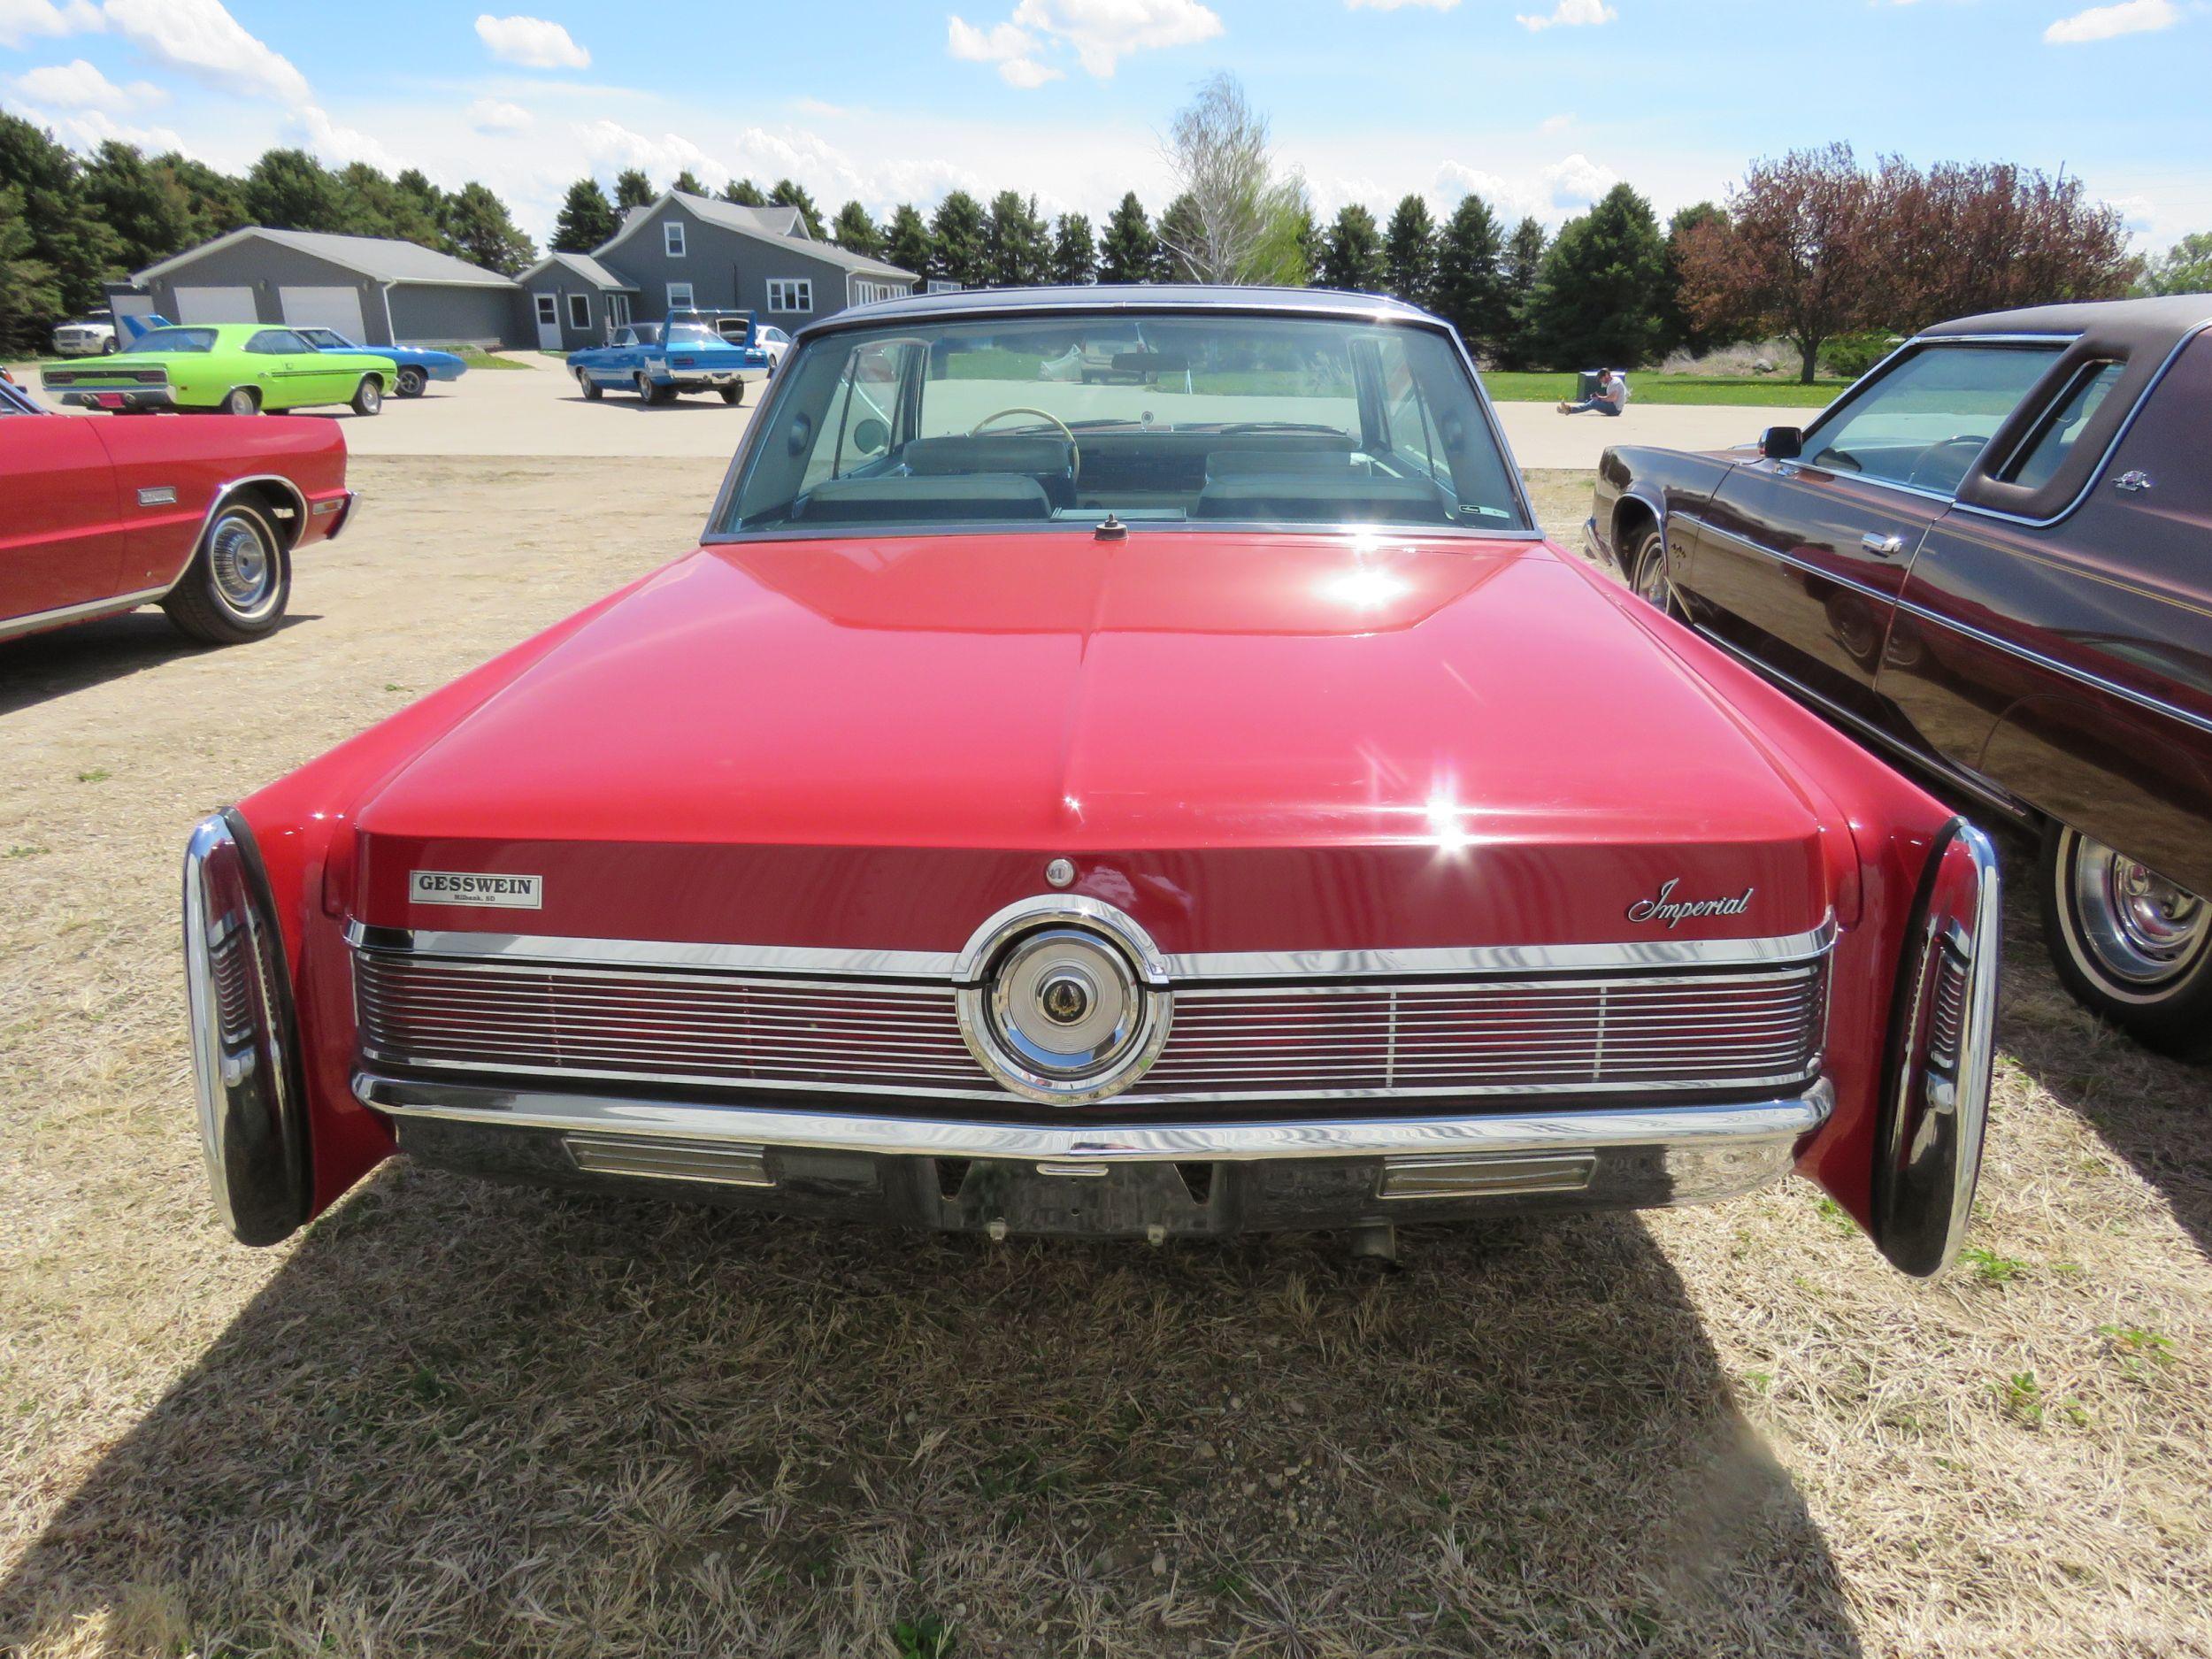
(480, 359)
(1777, 393)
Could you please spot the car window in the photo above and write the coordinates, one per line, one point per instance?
(177, 339)
(1412, 430)
(276, 342)
(646, 333)
(327, 337)
(861, 421)
(1927, 420)
(2039, 459)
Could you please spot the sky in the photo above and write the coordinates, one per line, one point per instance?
(1540, 105)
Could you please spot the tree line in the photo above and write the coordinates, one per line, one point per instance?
(1812, 247)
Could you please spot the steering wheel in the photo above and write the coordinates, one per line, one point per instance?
(1075, 451)
(1944, 465)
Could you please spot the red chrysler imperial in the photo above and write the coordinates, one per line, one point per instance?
(1176, 802)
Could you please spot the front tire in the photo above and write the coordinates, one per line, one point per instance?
(411, 383)
(368, 398)
(646, 393)
(1647, 574)
(592, 390)
(2134, 949)
(239, 581)
(109, 347)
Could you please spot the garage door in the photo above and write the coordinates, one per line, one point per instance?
(216, 305)
(324, 308)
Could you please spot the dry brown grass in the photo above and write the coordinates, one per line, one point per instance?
(460, 1420)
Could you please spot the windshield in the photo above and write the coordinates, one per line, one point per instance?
(177, 339)
(1062, 420)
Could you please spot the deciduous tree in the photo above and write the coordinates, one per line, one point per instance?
(2183, 268)
(288, 189)
(744, 192)
(1961, 237)
(1410, 252)
(1238, 224)
(30, 298)
(1678, 329)
(141, 202)
(587, 218)
(1180, 229)
(217, 199)
(689, 183)
(75, 248)
(1130, 251)
(478, 229)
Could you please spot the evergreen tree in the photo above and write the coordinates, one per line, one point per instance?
(288, 189)
(1130, 253)
(587, 218)
(687, 183)
(478, 229)
(854, 232)
(217, 201)
(1410, 252)
(73, 245)
(30, 298)
(1074, 251)
(960, 242)
(1306, 232)
(787, 194)
(1180, 233)
(632, 188)
(1597, 301)
(1020, 255)
(744, 192)
(1470, 288)
(1524, 252)
(906, 243)
(1352, 255)
(141, 201)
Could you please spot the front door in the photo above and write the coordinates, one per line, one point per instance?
(61, 539)
(291, 374)
(1797, 564)
(549, 322)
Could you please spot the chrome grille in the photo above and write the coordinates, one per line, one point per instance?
(1564, 1033)
(1947, 1018)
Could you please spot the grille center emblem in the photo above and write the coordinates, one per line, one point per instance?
(1064, 998)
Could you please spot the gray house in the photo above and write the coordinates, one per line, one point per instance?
(691, 250)
(572, 301)
(369, 288)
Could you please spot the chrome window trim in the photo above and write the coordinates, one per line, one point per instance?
(1783, 1123)
(553, 951)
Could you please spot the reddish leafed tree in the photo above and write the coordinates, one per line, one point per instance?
(1800, 253)
(1969, 237)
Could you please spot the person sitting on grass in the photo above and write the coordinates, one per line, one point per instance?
(1611, 397)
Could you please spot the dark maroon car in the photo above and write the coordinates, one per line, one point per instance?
(1994, 556)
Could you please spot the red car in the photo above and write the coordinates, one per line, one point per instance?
(201, 516)
(1153, 809)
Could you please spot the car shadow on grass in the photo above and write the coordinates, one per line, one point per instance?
(41, 666)
(467, 1419)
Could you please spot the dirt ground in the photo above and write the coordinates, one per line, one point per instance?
(458, 1419)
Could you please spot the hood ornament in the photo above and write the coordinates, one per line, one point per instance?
(1666, 907)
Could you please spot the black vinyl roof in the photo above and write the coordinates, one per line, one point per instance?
(2148, 322)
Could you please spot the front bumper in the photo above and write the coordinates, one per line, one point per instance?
(1597, 549)
(1146, 1179)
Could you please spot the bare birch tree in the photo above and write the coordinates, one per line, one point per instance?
(1244, 218)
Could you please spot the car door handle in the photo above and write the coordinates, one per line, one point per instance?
(1882, 547)
(2134, 483)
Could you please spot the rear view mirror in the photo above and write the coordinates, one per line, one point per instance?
(1782, 443)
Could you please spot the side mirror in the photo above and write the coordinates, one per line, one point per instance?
(1782, 443)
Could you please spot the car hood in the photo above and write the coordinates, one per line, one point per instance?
(1353, 734)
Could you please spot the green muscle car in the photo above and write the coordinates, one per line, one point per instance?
(237, 368)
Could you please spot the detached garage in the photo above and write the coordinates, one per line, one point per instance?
(371, 289)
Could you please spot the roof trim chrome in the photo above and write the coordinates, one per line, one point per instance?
(805, 960)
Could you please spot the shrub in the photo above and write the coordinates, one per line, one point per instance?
(1850, 356)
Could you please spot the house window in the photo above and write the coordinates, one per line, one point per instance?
(580, 311)
(790, 294)
(672, 235)
(939, 285)
(680, 297)
(549, 309)
(618, 311)
(867, 293)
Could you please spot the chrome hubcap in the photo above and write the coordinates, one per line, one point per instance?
(1651, 576)
(2142, 927)
(245, 574)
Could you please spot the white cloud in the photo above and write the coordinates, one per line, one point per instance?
(22, 20)
(533, 42)
(1576, 182)
(2102, 23)
(1554, 123)
(87, 129)
(77, 85)
(1551, 192)
(1010, 47)
(1396, 6)
(1570, 14)
(341, 144)
(494, 115)
(200, 38)
(1099, 32)
(611, 146)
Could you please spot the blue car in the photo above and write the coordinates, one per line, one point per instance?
(692, 351)
(417, 367)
